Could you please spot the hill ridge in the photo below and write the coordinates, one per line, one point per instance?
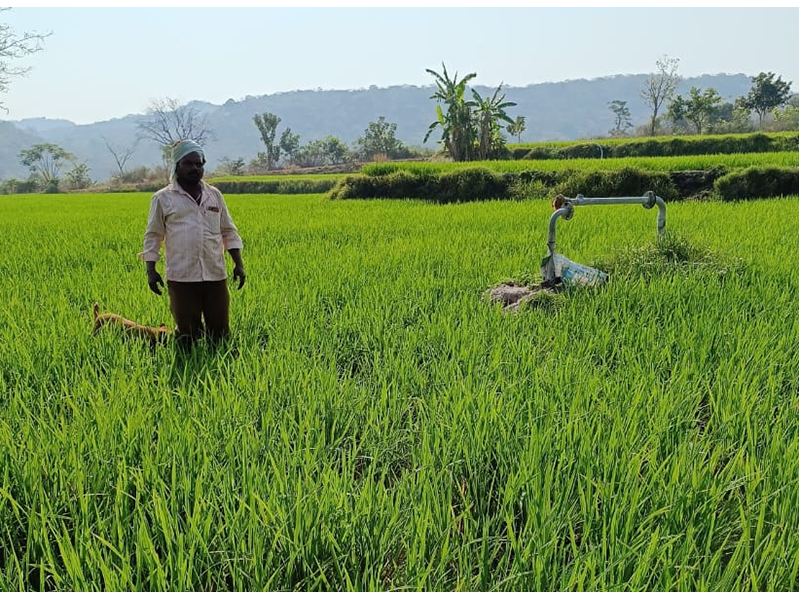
(561, 110)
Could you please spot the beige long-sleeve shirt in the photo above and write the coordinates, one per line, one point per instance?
(195, 236)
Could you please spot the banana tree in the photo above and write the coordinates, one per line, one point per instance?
(456, 122)
(489, 113)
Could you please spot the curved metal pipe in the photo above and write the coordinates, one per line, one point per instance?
(565, 212)
(648, 200)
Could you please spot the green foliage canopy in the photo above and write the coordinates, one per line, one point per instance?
(78, 177)
(267, 125)
(45, 161)
(767, 93)
(622, 117)
(489, 112)
(470, 128)
(458, 134)
(380, 139)
(699, 109)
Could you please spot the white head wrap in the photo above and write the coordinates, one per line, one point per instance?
(181, 149)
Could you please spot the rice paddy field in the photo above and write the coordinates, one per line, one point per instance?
(375, 424)
(658, 138)
(647, 163)
(277, 178)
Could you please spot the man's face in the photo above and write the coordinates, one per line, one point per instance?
(190, 169)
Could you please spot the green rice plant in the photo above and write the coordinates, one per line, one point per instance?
(275, 184)
(283, 177)
(669, 255)
(659, 163)
(661, 145)
(374, 424)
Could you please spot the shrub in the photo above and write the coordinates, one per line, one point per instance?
(757, 182)
(639, 148)
(541, 153)
(624, 182)
(585, 151)
(471, 184)
(455, 186)
(519, 153)
(479, 183)
(355, 186)
(51, 187)
(16, 186)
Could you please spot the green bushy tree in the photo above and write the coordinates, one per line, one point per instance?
(701, 109)
(78, 177)
(290, 144)
(267, 125)
(45, 161)
(327, 151)
(767, 93)
(622, 118)
(380, 139)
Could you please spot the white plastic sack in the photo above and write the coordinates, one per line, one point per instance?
(571, 273)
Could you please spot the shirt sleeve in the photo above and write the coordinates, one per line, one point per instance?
(230, 235)
(155, 231)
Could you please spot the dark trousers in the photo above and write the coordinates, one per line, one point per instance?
(199, 308)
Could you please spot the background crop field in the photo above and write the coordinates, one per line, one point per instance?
(648, 139)
(648, 163)
(282, 177)
(375, 424)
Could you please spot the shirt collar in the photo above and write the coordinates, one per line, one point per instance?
(175, 186)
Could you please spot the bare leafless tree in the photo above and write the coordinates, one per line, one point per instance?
(660, 87)
(14, 46)
(168, 121)
(121, 155)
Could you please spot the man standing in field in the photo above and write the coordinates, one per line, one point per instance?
(191, 219)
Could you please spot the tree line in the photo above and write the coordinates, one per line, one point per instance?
(471, 128)
(168, 121)
(705, 111)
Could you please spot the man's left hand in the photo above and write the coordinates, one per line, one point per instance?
(238, 273)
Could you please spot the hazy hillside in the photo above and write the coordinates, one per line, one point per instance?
(553, 111)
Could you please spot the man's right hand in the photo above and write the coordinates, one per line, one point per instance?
(154, 280)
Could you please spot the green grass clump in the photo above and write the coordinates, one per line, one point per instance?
(671, 255)
(375, 425)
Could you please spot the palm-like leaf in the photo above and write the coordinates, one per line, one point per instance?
(490, 111)
(457, 133)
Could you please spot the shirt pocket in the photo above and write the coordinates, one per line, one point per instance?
(211, 219)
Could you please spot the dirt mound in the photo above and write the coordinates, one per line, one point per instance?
(513, 295)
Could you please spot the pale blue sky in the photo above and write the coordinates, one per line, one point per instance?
(102, 63)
